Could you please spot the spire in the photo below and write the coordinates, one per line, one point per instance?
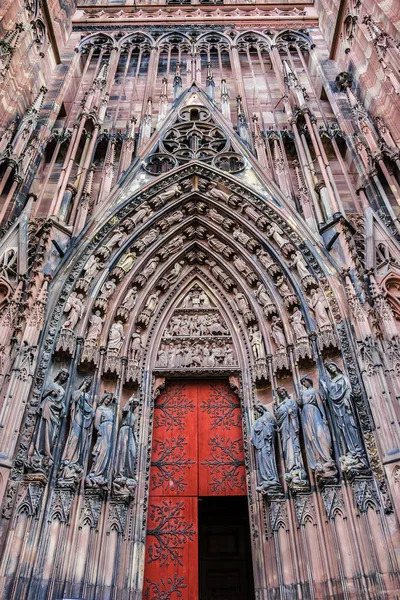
(7, 48)
(28, 123)
(210, 85)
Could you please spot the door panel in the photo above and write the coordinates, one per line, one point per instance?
(171, 569)
(221, 458)
(197, 449)
(174, 463)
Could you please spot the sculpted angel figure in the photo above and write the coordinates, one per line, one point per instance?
(283, 287)
(319, 306)
(262, 296)
(95, 327)
(75, 307)
(116, 336)
(241, 302)
(152, 302)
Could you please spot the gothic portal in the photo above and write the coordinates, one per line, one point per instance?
(199, 300)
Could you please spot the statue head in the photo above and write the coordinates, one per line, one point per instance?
(332, 368)
(86, 383)
(108, 398)
(282, 393)
(62, 376)
(306, 381)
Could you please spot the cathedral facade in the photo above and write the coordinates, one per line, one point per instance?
(199, 300)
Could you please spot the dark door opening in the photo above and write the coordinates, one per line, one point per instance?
(225, 565)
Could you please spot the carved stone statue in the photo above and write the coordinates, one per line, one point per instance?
(257, 343)
(339, 395)
(75, 307)
(264, 300)
(116, 336)
(136, 346)
(107, 289)
(263, 436)
(150, 267)
(141, 214)
(126, 450)
(126, 261)
(244, 239)
(103, 423)
(317, 437)
(287, 414)
(115, 241)
(162, 357)
(319, 306)
(173, 275)
(277, 332)
(49, 414)
(147, 239)
(95, 327)
(152, 302)
(81, 414)
(176, 190)
(129, 301)
(219, 194)
(276, 233)
(298, 325)
(92, 267)
(299, 262)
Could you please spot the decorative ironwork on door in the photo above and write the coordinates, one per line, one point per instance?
(197, 450)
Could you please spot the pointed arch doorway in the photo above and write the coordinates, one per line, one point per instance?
(198, 538)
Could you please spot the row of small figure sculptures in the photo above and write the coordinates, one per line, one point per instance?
(192, 355)
(83, 415)
(307, 417)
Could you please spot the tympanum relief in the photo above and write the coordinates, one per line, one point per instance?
(196, 336)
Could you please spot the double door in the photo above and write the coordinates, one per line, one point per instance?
(197, 452)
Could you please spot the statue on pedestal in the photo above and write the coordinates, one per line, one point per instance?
(49, 414)
(103, 423)
(263, 436)
(287, 414)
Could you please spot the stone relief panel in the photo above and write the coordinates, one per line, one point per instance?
(196, 336)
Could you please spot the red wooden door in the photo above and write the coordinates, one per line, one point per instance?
(197, 450)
